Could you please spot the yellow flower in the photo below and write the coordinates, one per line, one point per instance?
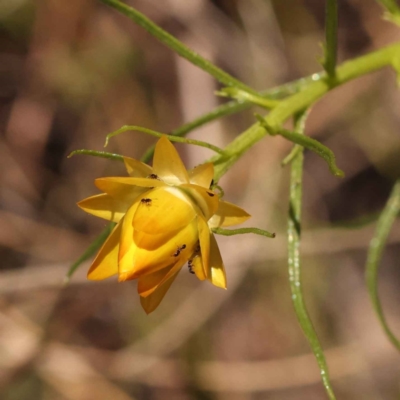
(164, 217)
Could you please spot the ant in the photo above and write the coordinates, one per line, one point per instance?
(191, 266)
(153, 176)
(179, 249)
(146, 201)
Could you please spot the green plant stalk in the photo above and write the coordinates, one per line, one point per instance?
(178, 47)
(294, 231)
(233, 107)
(330, 48)
(390, 6)
(241, 96)
(308, 143)
(296, 149)
(95, 153)
(375, 251)
(310, 94)
(127, 128)
(241, 231)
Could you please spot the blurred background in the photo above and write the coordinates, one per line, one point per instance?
(73, 71)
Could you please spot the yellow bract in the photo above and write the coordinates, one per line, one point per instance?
(164, 216)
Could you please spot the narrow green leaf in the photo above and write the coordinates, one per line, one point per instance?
(330, 47)
(241, 231)
(174, 44)
(307, 142)
(172, 138)
(94, 153)
(90, 251)
(294, 231)
(375, 251)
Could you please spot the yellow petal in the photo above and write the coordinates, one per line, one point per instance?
(151, 302)
(104, 206)
(139, 261)
(167, 164)
(197, 267)
(125, 187)
(205, 199)
(148, 283)
(202, 175)
(153, 242)
(228, 214)
(204, 238)
(106, 262)
(136, 168)
(168, 210)
(126, 244)
(217, 275)
(151, 282)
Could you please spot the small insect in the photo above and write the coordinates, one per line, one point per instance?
(191, 266)
(146, 201)
(153, 176)
(179, 249)
(211, 194)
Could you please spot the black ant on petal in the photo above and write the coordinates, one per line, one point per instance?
(191, 266)
(146, 201)
(179, 249)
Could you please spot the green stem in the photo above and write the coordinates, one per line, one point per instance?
(233, 107)
(376, 247)
(241, 231)
(312, 92)
(331, 25)
(296, 149)
(392, 10)
(294, 230)
(308, 143)
(177, 46)
(241, 95)
(126, 128)
(101, 154)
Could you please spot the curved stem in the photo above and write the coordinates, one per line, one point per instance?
(376, 247)
(174, 44)
(172, 138)
(95, 153)
(294, 232)
(308, 143)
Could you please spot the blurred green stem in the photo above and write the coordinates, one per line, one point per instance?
(376, 247)
(310, 94)
(330, 47)
(392, 10)
(172, 138)
(294, 232)
(174, 44)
